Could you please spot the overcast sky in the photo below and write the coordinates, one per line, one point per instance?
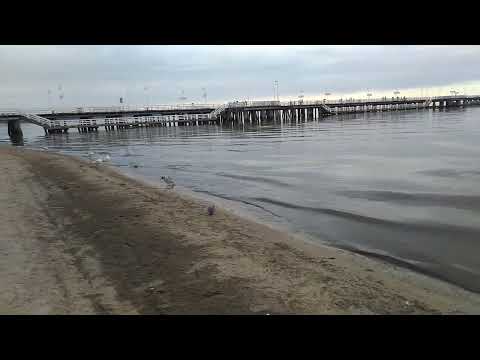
(100, 75)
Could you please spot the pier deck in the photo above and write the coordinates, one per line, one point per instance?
(111, 118)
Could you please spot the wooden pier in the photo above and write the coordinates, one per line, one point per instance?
(255, 112)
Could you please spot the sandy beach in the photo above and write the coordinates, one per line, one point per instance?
(81, 238)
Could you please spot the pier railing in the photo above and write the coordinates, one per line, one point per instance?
(214, 107)
(38, 120)
(375, 100)
(93, 109)
(128, 120)
(322, 102)
(217, 111)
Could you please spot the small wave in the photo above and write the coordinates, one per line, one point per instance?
(429, 269)
(428, 227)
(130, 155)
(327, 211)
(237, 200)
(178, 166)
(470, 202)
(254, 178)
(410, 264)
(452, 173)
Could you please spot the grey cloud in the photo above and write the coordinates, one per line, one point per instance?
(98, 75)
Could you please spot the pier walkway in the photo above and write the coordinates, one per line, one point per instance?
(111, 118)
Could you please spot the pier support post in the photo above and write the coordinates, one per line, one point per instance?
(14, 128)
(310, 114)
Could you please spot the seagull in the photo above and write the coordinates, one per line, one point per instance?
(107, 158)
(168, 180)
(211, 210)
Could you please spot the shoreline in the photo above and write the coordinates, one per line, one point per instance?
(233, 207)
(127, 246)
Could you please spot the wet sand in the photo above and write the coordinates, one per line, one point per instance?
(80, 238)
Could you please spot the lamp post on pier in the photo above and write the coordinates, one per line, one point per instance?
(182, 96)
(301, 96)
(327, 94)
(145, 88)
(60, 95)
(49, 100)
(369, 94)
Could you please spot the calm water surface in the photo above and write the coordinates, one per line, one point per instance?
(401, 186)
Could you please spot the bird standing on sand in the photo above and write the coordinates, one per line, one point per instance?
(211, 210)
(168, 180)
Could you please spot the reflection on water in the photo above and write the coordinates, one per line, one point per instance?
(401, 186)
(17, 140)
